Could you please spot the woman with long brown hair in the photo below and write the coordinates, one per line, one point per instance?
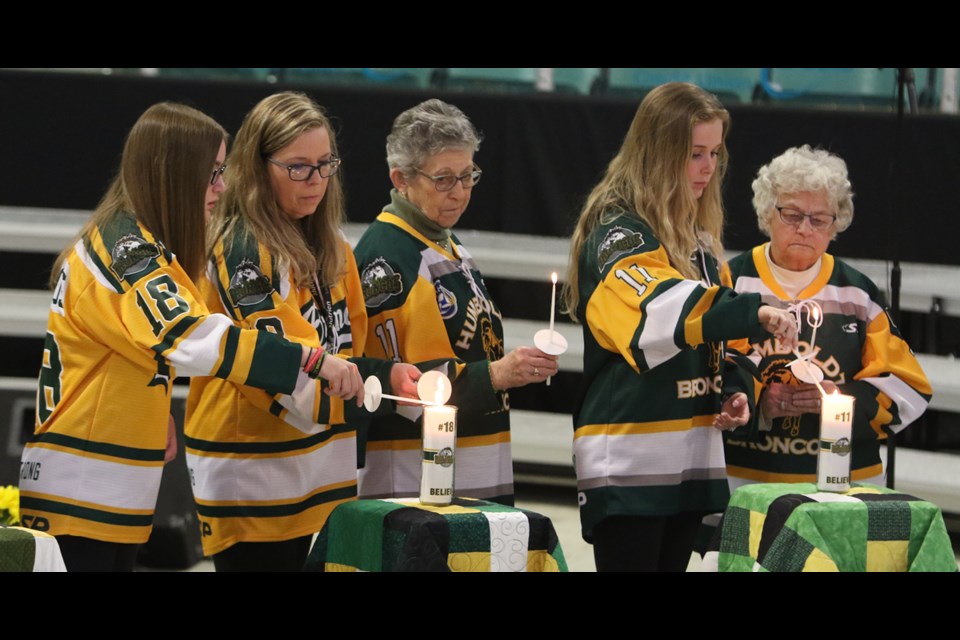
(125, 319)
(646, 282)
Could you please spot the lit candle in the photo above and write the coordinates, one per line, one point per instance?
(439, 449)
(815, 320)
(553, 302)
(836, 427)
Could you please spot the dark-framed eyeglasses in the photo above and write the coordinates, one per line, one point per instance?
(794, 218)
(218, 172)
(448, 181)
(300, 172)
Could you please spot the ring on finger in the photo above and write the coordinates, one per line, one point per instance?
(783, 406)
(536, 372)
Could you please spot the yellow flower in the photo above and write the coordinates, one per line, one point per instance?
(9, 505)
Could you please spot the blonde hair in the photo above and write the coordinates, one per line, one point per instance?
(647, 178)
(164, 173)
(311, 245)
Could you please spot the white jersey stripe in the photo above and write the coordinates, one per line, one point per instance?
(910, 403)
(652, 454)
(656, 341)
(252, 479)
(91, 480)
(386, 470)
(197, 353)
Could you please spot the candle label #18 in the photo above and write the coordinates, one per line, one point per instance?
(446, 426)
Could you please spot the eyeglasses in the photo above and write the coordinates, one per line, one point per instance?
(300, 172)
(794, 218)
(448, 181)
(217, 173)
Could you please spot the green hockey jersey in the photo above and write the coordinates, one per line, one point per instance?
(655, 373)
(427, 303)
(858, 347)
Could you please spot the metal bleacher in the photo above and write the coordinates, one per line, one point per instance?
(540, 438)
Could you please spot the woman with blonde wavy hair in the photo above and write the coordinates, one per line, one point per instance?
(267, 471)
(646, 282)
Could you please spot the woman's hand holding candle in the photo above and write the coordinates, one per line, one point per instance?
(403, 381)
(521, 366)
(781, 400)
(343, 378)
(780, 323)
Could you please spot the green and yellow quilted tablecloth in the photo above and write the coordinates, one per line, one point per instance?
(404, 535)
(23, 550)
(795, 527)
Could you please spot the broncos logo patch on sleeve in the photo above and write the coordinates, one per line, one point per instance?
(131, 254)
(380, 281)
(248, 285)
(618, 241)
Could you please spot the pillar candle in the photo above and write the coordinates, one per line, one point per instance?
(439, 448)
(833, 459)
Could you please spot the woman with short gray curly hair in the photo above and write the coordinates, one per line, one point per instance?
(803, 199)
(427, 303)
(426, 130)
(801, 169)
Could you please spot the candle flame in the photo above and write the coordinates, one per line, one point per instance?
(553, 277)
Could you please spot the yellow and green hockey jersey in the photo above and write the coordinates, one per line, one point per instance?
(427, 303)
(269, 468)
(125, 320)
(858, 347)
(655, 372)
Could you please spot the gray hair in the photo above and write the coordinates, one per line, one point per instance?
(425, 130)
(801, 169)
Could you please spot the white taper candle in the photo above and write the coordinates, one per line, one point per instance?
(553, 302)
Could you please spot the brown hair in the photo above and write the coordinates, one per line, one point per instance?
(309, 245)
(647, 177)
(164, 172)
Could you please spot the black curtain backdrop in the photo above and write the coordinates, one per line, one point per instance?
(61, 137)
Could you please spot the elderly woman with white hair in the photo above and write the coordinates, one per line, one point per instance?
(803, 199)
(428, 304)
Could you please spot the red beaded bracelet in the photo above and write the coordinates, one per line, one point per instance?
(315, 354)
